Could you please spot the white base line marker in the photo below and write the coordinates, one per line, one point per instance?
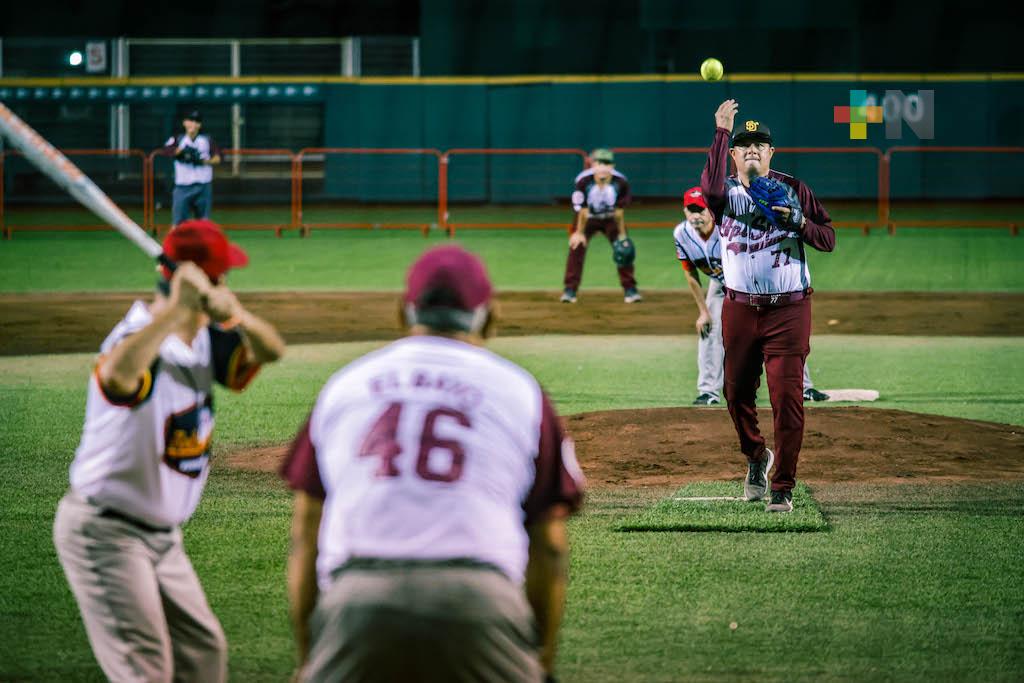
(711, 498)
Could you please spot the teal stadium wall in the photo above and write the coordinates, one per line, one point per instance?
(658, 114)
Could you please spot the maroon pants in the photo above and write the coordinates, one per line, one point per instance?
(779, 338)
(574, 264)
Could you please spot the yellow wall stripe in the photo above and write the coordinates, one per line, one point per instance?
(507, 80)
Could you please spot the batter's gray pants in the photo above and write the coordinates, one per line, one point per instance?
(711, 349)
(423, 624)
(194, 199)
(143, 608)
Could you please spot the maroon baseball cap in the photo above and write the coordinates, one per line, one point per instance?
(447, 288)
(203, 243)
(695, 196)
(450, 277)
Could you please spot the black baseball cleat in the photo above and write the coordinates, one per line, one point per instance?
(755, 486)
(812, 394)
(781, 501)
(707, 399)
(568, 296)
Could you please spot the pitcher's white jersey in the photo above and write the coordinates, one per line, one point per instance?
(759, 258)
(147, 455)
(698, 253)
(432, 448)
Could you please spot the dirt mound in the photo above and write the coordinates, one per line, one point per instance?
(670, 446)
(65, 323)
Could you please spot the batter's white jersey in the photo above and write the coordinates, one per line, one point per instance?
(147, 455)
(187, 174)
(703, 254)
(431, 448)
(759, 258)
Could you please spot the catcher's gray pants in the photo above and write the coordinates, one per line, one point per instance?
(194, 199)
(423, 622)
(143, 608)
(711, 349)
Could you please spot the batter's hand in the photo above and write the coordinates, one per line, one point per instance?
(703, 325)
(189, 286)
(577, 239)
(221, 304)
(726, 114)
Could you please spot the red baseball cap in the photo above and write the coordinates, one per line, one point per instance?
(448, 277)
(202, 242)
(695, 196)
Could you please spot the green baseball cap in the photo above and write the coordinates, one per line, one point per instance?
(602, 155)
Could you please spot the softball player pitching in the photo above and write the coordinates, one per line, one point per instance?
(143, 460)
(432, 482)
(765, 218)
(699, 248)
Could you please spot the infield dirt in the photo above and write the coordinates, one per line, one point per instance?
(672, 446)
(651, 447)
(66, 323)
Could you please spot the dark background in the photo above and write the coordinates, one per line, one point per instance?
(501, 37)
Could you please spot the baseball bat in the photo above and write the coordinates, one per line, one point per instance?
(50, 161)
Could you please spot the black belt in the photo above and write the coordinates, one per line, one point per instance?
(115, 514)
(385, 563)
(769, 299)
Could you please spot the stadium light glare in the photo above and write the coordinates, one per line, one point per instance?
(75, 58)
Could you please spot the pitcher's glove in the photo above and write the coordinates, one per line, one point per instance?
(623, 252)
(768, 192)
(191, 156)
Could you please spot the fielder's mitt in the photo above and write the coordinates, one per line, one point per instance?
(190, 155)
(623, 252)
(768, 192)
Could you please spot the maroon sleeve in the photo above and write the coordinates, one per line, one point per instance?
(300, 468)
(712, 179)
(557, 479)
(818, 231)
(625, 197)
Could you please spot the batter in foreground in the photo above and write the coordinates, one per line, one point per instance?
(765, 218)
(143, 462)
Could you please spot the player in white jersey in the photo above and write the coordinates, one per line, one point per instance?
(699, 248)
(143, 460)
(765, 218)
(432, 482)
(195, 154)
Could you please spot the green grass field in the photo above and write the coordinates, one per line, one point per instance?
(908, 583)
(974, 260)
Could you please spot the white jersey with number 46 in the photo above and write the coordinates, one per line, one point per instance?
(431, 448)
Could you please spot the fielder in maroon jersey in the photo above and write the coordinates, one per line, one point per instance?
(765, 218)
(599, 198)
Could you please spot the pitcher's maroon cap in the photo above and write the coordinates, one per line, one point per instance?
(448, 277)
(205, 244)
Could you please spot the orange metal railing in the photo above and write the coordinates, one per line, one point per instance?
(890, 224)
(296, 161)
(451, 227)
(306, 227)
(8, 230)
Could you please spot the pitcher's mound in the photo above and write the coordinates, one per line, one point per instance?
(671, 446)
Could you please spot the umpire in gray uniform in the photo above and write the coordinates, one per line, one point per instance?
(195, 154)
